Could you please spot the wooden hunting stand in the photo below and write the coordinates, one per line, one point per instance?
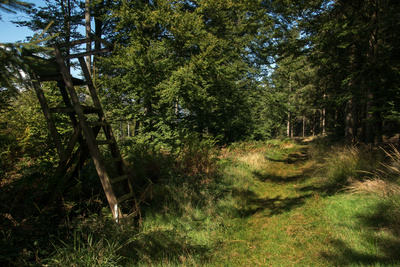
(87, 129)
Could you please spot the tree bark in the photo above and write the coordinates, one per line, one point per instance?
(88, 29)
(350, 121)
(289, 130)
(66, 10)
(369, 134)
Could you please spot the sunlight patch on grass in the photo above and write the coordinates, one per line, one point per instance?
(256, 161)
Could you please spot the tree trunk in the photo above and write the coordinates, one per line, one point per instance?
(66, 9)
(374, 118)
(378, 128)
(98, 31)
(289, 129)
(323, 114)
(98, 23)
(369, 134)
(350, 121)
(313, 125)
(88, 29)
(121, 130)
(289, 125)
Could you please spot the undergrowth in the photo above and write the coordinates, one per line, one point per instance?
(275, 203)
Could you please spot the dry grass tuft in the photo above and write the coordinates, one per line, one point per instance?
(393, 167)
(375, 186)
(287, 145)
(254, 160)
(380, 185)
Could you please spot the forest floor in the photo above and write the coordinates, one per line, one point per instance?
(274, 203)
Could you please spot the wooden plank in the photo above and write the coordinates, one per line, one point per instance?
(59, 78)
(41, 66)
(98, 123)
(62, 110)
(86, 110)
(105, 142)
(113, 160)
(83, 155)
(84, 54)
(89, 82)
(119, 179)
(76, 42)
(90, 109)
(73, 140)
(98, 39)
(91, 38)
(64, 166)
(108, 131)
(126, 197)
(50, 121)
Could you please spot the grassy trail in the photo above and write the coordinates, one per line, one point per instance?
(286, 217)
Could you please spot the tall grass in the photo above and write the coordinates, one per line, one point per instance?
(87, 250)
(337, 166)
(383, 184)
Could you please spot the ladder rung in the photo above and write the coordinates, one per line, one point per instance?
(127, 196)
(119, 179)
(105, 142)
(113, 160)
(89, 109)
(86, 110)
(62, 110)
(98, 123)
(59, 77)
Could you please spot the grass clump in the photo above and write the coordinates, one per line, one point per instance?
(337, 166)
(87, 250)
(383, 185)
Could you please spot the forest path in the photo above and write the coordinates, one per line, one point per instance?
(285, 218)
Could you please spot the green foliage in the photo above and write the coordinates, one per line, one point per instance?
(181, 68)
(197, 157)
(22, 120)
(269, 113)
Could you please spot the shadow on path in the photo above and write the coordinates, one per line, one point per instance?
(273, 206)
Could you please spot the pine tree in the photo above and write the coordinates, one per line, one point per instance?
(357, 54)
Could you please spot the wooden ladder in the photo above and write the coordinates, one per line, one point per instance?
(87, 129)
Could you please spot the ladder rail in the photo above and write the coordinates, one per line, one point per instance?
(83, 140)
(96, 155)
